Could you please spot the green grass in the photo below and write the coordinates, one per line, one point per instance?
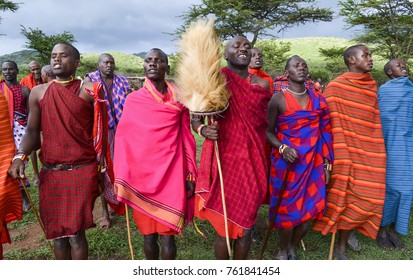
(112, 244)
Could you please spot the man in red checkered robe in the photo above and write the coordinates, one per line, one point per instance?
(241, 150)
(69, 176)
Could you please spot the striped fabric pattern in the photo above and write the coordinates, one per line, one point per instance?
(355, 195)
(120, 88)
(396, 112)
(10, 195)
(281, 82)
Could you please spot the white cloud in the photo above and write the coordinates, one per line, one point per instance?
(130, 26)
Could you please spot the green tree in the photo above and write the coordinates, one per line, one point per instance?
(334, 60)
(43, 44)
(8, 6)
(275, 55)
(256, 18)
(387, 25)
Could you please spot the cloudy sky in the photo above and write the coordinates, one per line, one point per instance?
(130, 26)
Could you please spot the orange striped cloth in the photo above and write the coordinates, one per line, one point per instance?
(355, 195)
(10, 195)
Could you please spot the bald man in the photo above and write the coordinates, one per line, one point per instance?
(47, 74)
(35, 77)
(241, 139)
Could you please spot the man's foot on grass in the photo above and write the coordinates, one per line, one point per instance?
(339, 255)
(281, 255)
(104, 223)
(397, 243)
(353, 243)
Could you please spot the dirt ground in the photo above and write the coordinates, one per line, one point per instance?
(32, 235)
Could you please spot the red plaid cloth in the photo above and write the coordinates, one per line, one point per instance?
(242, 154)
(281, 82)
(66, 198)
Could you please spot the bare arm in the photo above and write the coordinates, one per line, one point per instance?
(207, 131)
(275, 107)
(272, 115)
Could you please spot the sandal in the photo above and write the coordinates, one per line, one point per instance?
(353, 243)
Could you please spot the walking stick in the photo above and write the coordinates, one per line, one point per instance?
(129, 235)
(36, 213)
(224, 207)
(303, 245)
(221, 180)
(330, 255)
(277, 206)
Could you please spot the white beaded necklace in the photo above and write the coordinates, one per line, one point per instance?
(297, 93)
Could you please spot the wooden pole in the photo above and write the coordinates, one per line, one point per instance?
(333, 237)
(221, 180)
(129, 234)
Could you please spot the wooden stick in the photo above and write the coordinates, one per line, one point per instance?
(277, 206)
(221, 180)
(36, 213)
(333, 237)
(303, 245)
(129, 235)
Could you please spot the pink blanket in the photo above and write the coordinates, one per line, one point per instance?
(154, 151)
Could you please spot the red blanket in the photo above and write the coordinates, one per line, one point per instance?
(241, 146)
(66, 197)
(29, 81)
(10, 196)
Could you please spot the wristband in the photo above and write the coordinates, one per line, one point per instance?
(199, 130)
(190, 177)
(328, 166)
(282, 148)
(22, 156)
(101, 169)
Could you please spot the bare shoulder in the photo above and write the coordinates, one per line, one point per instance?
(38, 91)
(25, 91)
(277, 97)
(87, 87)
(260, 81)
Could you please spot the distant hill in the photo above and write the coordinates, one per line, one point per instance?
(131, 64)
(308, 47)
(22, 57)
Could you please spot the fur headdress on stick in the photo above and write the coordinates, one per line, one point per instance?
(200, 81)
